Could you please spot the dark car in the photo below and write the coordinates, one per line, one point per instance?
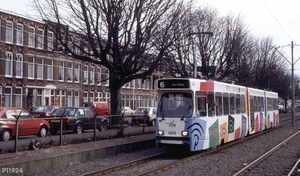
(28, 125)
(77, 119)
(44, 111)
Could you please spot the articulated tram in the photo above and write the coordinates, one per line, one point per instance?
(200, 114)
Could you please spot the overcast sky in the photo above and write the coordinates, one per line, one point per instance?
(279, 19)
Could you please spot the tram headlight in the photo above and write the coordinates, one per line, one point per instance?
(184, 133)
(160, 132)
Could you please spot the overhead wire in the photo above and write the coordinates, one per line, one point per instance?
(297, 46)
(276, 20)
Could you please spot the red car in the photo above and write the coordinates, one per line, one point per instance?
(28, 125)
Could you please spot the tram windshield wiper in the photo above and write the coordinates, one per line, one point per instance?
(186, 112)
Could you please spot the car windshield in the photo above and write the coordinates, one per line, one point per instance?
(141, 110)
(65, 112)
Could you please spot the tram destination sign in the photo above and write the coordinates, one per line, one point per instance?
(173, 83)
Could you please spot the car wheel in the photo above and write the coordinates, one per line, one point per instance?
(43, 131)
(103, 126)
(5, 136)
(53, 131)
(78, 129)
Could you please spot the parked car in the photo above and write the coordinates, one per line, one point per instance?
(77, 119)
(28, 125)
(99, 107)
(127, 110)
(139, 115)
(43, 111)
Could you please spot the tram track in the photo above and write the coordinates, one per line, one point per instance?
(169, 161)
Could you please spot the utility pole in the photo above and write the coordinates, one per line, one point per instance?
(293, 85)
(293, 82)
(194, 58)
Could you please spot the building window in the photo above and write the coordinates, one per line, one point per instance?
(8, 96)
(49, 63)
(77, 46)
(31, 37)
(85, 96)
(107, 77)
(40, 37)
(92, 75)
(70, 72)
(39, 67)
(77, 73)
(98, 79)
(0, 40)
(85, 74)
(76, 98)
(61, 71)
(8, 64)
(50, 41)
(9, 32)
(31, 68)
(18, 97)
(70, 44)
(91, 96)
(19, 65)
(69, 98)
(39, 97)
(19, 35)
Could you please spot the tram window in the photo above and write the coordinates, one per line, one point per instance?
(225, 104)
(232, 104)
(275, 105)
(269, 104)
(242, 104)
(255, 103)
(201, 106)
(219, 103)
(252, 105)
(211, 104)
(238, 103)
(260, 103)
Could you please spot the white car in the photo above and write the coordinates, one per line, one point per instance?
(127, 110)
(147, 113)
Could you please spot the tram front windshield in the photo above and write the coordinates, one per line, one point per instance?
(175, 105)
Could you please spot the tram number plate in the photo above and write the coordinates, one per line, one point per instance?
(172, 132)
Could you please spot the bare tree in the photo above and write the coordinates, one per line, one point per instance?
(128, 37)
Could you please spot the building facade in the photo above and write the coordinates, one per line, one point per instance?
(34, 73)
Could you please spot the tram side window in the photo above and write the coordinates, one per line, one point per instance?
(211, 104)
(232, 104)
(242, 104)
(201, 106)
(260, 105)
(219, 104)
(275, 105)
(238, 103)
(269, 104)
(252, 105)
(225, 104)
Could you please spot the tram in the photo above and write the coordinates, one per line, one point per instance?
(199, 114)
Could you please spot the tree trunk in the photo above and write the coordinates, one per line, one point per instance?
(115, 98)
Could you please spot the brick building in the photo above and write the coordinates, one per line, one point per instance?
(34, 72)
